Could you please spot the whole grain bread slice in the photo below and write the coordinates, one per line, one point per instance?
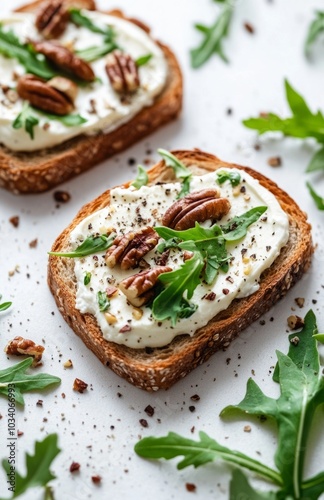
(157, 368)
(35, 172)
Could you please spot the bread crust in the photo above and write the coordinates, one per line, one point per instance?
(35, 172)
(153, 369)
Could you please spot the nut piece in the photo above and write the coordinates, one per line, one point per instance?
(20, 346)
(139, 287)
(65, 86)
(196, 207)
(129, 249)
(41, 95)
(295, 322)
(122, 72)
(79, 385)
(52, 18)
(65, 59)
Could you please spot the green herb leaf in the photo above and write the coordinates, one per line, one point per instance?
(232, 176)
(237, 227)
(5, 305)
(141, 61)
(95, 52)
(103, 301)
(319, 337)
(23, 382)
(213, 37)
(91, 245)
(317, 162)
(10, 46)
(87, 278)
(180, 170)
(141, 178)
(240, 488)
(171, 303)
(26, 119)
(319, 200)
(315, 29)
(37, 466)
(77, 17)
(68, 120)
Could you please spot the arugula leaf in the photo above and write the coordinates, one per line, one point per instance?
(26, 120)
(319, 337)
(95, 52)
(141, 61)
(180, 170)
(232, 176)
(23, 382)
(213, 37)
(170, 303)
(68, 120)
(93, 244)
(103, 301)
(87, 278)
(301, 380)
(5, 305)
(37, 466)
(315, 29)
(317, 162)
(141, 178)
(77, 17)
(319, 200)
(236, 228)
(10, 46)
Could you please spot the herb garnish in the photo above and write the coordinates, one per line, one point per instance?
(141, 61)
(180, 170)
(67, 120)
(301, 382)
(5, 305)
(80, 19)
(93, 244)
(95, 52)
(10, 46)
(319, 200)
(37, 466)
(141, 178)
(87, 278)
(232, 176)
(213, 36)
(16, 374)
(315, 29)
(103, 301)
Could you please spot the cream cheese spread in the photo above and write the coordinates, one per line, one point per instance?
(131, 209)
(97, 102)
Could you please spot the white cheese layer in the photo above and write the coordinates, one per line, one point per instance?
(98, 103)
(132, 209)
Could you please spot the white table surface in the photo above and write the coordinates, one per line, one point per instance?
(98, 429)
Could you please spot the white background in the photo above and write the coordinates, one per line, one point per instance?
(252, 82)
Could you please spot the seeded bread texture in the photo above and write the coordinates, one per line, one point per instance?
(153, 369)
(35, 172)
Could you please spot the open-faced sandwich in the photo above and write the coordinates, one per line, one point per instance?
(158, 274)
(77, 86)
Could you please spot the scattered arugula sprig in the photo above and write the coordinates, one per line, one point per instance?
(93, 244)
(315, 29)
(213, 36)
(5, 305)
(302, 124)
(37, 466)
(208, 246)
(180, 170)
(23, 382)
(103, 301)
(319, 200)
(301, 381)
(141, 178)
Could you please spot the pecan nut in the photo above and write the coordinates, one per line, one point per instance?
(20, 346)
(41, 95)
(65, 59)
(198, 206)
(129, 249)
(52, 18)
(139, 288)
(122, 72)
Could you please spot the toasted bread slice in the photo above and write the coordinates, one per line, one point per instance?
(157, 368)
(35, 172)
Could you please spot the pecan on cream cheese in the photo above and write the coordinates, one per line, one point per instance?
(122, 72)
(139, 287)
(198, 206)
(52, 18)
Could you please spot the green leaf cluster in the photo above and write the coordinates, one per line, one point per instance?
(141, 178)
(316, 28)
(38, 465)
(301, 381)
(89, 246)
(302, 124)
(5, 305)
(213, 36)
(180, 170)
(23, 382)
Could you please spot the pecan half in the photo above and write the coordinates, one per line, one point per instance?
(52, 18)
(129, 249)
(41, 95)
(122, 72)
(20, 346)
(198, 206)
(65, 59)
(139, 287)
